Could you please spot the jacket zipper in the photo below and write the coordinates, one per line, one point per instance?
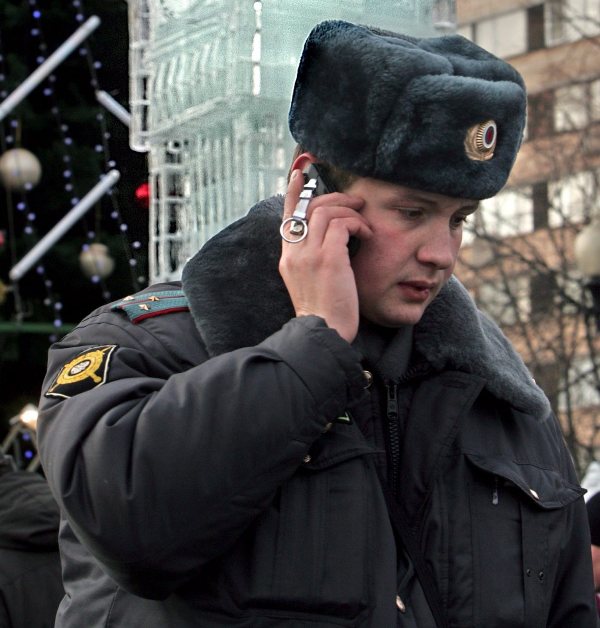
(393, 427)
(393, 434)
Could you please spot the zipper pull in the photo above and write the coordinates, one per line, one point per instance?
(495, 492)
(392, 401)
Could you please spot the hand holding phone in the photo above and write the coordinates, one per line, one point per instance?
(318, 276)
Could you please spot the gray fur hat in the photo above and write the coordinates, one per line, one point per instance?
(437, 114)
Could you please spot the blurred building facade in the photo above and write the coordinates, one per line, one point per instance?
(519, 264)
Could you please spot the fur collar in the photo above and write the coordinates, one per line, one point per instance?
(237, 299)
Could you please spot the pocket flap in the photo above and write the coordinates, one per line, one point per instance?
(342, 442)
(545, 487)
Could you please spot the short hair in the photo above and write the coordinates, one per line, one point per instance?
(338, 177)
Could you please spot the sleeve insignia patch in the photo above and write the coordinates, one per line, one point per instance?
(88, 370)
(148, 304)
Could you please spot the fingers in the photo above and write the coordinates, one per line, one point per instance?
(334, 211)
(336, 224)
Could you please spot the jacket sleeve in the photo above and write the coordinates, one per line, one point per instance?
(573, 599)
(162, 466)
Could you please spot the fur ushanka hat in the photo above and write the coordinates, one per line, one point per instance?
(437, 114)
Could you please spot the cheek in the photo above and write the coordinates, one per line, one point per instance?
(370, 258)
(362, 271)
(372, 271)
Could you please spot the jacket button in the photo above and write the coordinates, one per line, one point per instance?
(368, 378)
(541, 576)
(400, 604)
(307, 458)
(528, 572)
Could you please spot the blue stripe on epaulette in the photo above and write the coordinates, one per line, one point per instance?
(147, 304)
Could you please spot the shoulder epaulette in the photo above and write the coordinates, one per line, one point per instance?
(147, 304)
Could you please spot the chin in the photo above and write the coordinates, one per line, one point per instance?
(408, 316)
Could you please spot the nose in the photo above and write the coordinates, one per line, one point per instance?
(439, 247)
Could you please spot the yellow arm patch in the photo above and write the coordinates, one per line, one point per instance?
(84, 372)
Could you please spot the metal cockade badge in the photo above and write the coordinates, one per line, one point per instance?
(480, 141)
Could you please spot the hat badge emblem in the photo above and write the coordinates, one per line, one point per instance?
(480, 141)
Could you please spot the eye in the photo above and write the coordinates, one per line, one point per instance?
(411, 213)
(458, 220)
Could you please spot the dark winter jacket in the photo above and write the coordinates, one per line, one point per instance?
(30, 575)
(218, 467)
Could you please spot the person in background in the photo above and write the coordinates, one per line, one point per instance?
(30, 572)
(593, 511)
(317, 427)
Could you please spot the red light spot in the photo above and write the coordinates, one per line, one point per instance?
(142, 195)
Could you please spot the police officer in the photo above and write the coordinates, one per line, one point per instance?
(307, 433)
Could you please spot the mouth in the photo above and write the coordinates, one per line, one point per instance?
(416, 290)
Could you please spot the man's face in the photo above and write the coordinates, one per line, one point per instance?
(415, 243)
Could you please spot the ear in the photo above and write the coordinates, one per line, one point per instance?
(302, 161)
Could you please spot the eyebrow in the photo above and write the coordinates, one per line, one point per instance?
(470, 207)
(416, 197)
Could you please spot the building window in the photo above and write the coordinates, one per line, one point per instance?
(555, 21)
(595, 100)
(543, 289)
(507, 302)
(572, 107)
(581, 385)
(535, 27)
(540, 112)
(507, 214)
(577, 105)
(468, 30)
(569, 288)
(570, 20)
(573, 199)
(504, 35)
(539, 199)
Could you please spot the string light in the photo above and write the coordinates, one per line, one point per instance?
(103, 148)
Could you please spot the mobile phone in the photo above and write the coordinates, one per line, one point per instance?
(324, 186)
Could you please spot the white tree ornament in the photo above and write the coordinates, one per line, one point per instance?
(95, 261)
(20, 169)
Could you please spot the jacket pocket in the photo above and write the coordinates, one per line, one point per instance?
(310, 554)
(519, 522)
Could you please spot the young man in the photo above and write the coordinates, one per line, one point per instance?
(310, 434)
